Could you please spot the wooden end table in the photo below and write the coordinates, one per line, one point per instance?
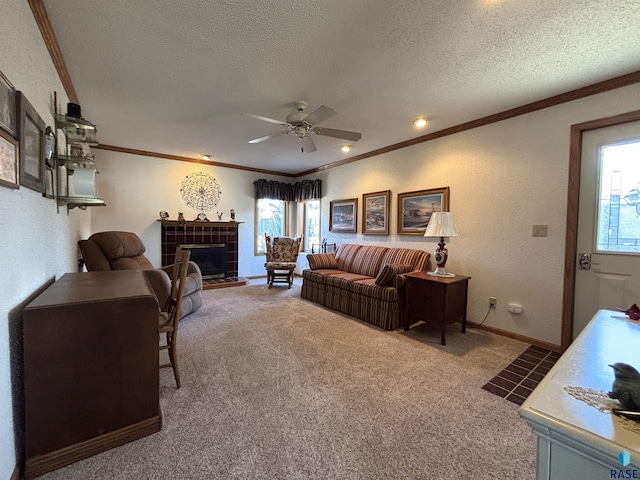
(439, 300)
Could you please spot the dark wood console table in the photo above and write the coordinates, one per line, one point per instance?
(440, 300)
(91, 378)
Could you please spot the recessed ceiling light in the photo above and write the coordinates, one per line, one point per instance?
(346, 148)
(207, 156)
(420, 122)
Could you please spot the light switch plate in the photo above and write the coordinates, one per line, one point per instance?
(539, 231)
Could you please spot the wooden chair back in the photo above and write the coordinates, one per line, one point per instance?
(170, 319)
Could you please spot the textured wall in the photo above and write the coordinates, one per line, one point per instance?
(136, 188)
(504, 178)
(39, 244)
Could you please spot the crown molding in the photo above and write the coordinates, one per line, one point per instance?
(146, 153)
(49, 37)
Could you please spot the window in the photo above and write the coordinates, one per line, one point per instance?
(271, 220)
(618, 224)
(311, 223)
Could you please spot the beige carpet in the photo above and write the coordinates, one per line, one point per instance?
(275, 387)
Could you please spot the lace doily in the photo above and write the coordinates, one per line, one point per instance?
(601, 401)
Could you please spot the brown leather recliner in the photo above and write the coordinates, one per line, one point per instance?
(125, 251)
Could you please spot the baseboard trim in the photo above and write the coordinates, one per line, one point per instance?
(515, 336)
(41, 464)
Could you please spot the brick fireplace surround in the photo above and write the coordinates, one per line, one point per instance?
(175, 233)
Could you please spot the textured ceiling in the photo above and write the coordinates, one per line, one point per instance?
(179, 77)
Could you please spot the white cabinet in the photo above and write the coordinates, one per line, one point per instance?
(576, 439)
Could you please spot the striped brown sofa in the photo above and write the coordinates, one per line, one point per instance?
(363, 281)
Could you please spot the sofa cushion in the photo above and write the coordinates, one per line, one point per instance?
(280, 265)
(123, 249)
(94, 258)
(139, 262)
(388, 273)
(416, 258)
(322, 260)
(345, 254)
(343, 280)
(190, 285)
(368, 288)
(320, 275)
(367, 260)
(119, 244)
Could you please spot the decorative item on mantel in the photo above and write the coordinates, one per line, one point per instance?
(164, 215)
(233, 214)
(441, 225)
(181, 218)
(219, 214)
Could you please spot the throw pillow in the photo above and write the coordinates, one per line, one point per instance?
(388, 272)
(322, 260)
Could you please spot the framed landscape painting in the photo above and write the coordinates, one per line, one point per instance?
(31, 130)
(415, 209)
(375, 213)
(343, 216)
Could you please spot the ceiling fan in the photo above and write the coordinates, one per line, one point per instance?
(303, 124)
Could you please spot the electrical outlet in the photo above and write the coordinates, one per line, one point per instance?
(492, 302)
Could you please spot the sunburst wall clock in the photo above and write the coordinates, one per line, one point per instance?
(201, 192)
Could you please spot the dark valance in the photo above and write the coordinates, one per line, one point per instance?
(304, 190)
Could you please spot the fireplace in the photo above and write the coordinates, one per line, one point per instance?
(174, 233)
(211, 258)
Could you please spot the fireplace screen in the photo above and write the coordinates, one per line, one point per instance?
(211, 258)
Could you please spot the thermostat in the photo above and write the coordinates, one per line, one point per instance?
(514, 308)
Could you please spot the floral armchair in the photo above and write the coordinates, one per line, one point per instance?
(282, 255)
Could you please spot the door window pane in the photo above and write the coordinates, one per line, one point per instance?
(270, 220)
(618, 224)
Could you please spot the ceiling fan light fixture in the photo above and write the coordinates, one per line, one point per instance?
(206, 156)
(420, 122)
(303, 124)
(346, 148)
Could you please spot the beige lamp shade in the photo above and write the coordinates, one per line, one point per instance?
(441, 225)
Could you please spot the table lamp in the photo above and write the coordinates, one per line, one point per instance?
(441, 225)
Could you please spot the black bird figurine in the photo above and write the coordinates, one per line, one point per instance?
(626, 386)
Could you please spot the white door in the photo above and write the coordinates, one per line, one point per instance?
(608, 222)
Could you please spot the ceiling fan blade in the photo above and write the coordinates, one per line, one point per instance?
(307, 145)
(332, 132)
(270, 120)
(320, 114)
(267, 137)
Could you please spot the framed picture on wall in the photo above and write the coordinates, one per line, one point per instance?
(7, 105)
(415, 209)
(375, 213)
(8, 160)
(343, 216)
(31, 132)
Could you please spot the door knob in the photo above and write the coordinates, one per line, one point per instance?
(584, 261)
